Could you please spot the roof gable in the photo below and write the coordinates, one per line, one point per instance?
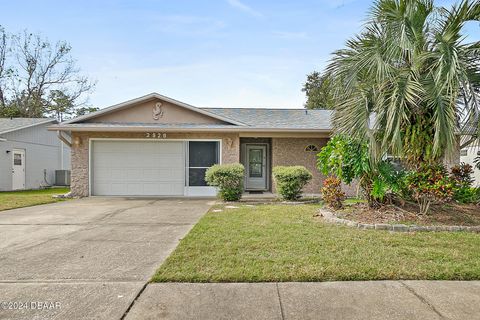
(154, 108)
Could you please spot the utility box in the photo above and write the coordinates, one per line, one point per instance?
(62, 177)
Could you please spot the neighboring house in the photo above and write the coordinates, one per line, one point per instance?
(30, 154)
(157, 146)
(468, 155)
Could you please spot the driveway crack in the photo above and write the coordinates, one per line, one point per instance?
(130, 306)
(422, 299)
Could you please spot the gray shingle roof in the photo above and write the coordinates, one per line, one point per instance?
(12, 124)
(278, 118)
(250, 119)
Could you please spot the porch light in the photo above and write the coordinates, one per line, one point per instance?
(77, 141)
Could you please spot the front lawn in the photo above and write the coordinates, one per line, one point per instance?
(287, 243)
(27, 198)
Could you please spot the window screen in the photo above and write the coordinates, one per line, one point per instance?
(201, 156)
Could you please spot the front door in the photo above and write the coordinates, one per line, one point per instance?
(18, 169)
(256, 167)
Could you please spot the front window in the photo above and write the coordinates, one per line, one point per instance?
(311, 148)
(201, 156)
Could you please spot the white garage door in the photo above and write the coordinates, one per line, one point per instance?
(138, 168)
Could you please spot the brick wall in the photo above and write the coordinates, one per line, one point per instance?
(291, 152)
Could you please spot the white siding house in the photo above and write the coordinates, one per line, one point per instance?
(29, 154)
(468, 155)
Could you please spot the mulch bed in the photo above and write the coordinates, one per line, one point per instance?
(446, 214)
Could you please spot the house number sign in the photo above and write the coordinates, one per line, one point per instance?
(156, 135)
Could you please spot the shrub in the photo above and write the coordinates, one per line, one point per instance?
(349, 159)
(462, 174)
(467, 195)
(345, 158)
(228, 178)
(388, 182)
(430, 183)
(332, 193)
(462, 177)
(291, 180)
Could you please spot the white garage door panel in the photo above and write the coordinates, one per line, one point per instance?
(142, 168)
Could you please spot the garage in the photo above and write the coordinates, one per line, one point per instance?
(137, 168)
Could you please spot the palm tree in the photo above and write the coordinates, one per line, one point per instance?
(409, 82)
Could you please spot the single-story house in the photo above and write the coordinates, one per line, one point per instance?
(468, 155)
(158, 146)
(30, 154)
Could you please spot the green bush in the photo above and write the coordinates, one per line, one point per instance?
(467, 195)
(332, 193)
(462, 177)
(228, 178)
(290, 181)
(345, 158)
(348, 159)
(462, 174)
(430, 183)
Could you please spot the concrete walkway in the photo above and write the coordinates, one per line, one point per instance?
(371, 300)
(88, 258)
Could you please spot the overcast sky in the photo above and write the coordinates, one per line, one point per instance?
(219, 53)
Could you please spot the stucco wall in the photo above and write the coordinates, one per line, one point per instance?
(142, 112)
(80, 154)
(291, 152)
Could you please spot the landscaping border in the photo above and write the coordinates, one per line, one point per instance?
(330, 217)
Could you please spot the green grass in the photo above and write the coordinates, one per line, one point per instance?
(27, 198)
(354, 201)
(287, 243)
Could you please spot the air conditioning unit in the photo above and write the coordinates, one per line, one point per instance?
(62, 177)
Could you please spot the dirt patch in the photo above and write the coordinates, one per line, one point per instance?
(446, 214)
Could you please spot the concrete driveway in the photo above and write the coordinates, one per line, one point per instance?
(88, 258)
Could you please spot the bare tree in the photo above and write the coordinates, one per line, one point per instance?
(40, 75)
(4, 71)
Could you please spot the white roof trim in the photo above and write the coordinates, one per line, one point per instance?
(128, 128)
(153, 95)
(28, 126)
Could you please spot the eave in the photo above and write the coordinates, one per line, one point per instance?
(87, 128)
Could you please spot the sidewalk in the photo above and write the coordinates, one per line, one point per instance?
(367, 300)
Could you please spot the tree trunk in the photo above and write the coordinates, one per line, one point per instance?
(424, 204)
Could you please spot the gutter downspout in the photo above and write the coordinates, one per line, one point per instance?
(63, 139)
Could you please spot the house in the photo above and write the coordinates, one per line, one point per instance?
(30, 154)
(158, 146)
(468, 155)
